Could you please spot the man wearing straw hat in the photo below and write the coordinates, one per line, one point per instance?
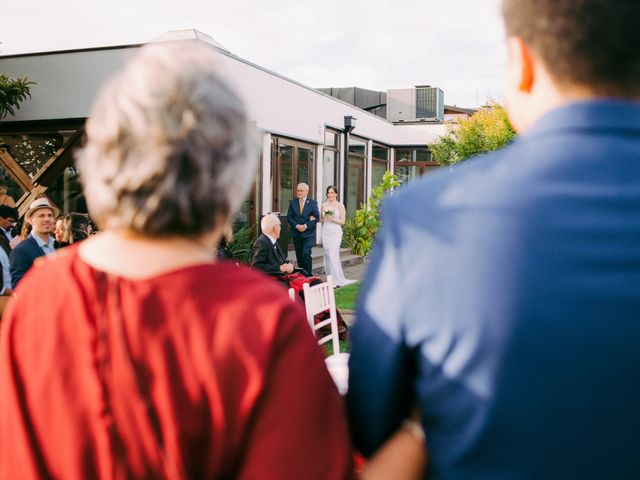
(41, 215)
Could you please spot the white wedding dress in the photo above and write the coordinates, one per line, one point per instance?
(331, 239)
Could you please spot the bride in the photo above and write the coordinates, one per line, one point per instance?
(332, 216)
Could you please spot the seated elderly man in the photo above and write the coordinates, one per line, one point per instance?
(267, 254)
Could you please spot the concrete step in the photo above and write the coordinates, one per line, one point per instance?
(347, 258)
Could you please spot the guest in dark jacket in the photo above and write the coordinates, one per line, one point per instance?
(267, 254)
(41, 216)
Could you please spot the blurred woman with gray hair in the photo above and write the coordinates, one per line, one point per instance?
(148, 359)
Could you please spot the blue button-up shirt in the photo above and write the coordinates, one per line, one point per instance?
(47, 247)
(503, 300)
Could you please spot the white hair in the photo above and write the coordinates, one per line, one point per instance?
(167, 148)
(268, 222)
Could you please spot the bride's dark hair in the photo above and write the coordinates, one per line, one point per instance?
(332, 187)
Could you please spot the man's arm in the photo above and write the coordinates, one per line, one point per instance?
(315, 214)
(19, 264)
(380, 395)
(290, 215)
(263, 261)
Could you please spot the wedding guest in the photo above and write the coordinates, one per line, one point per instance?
(5, 198)
(59, 233)
(303, 216)
(40, 216)
(332, 216)
(135, 354)
(267, 255)
(502, 297)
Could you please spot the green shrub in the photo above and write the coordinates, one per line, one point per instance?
(367, 220)
(241, 245)
(348, 235)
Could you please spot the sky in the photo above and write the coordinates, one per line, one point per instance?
(457, 45)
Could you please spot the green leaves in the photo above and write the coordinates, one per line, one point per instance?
(359, 232)
(12, 93)
(488, 129)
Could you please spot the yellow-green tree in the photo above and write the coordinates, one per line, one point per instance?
(487, 129)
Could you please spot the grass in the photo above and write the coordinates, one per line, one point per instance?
(346, 297)
(328, 347)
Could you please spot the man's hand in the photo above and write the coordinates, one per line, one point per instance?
(286, 268)
(312, 218)
(301, 228)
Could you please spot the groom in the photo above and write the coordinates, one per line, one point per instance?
(303, 216)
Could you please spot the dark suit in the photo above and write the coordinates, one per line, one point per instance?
(267, 256)
(303, 242)
(22, 258)
(4, 244)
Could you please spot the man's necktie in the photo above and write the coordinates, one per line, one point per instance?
(278, 253)
(301, 205)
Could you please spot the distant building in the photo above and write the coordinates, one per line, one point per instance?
(301, 131)
(420, 104)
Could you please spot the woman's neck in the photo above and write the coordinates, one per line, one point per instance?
(127, 254)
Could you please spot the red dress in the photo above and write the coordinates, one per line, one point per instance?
(207, 371)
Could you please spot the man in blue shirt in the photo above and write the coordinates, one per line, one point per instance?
(42, 217)
(503, 297)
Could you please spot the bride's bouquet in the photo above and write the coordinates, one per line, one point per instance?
(329, 213)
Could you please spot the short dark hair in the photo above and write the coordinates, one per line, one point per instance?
(8, 212)
(587, 43)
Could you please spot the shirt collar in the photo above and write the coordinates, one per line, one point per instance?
(42, 243)
(273, 240)
(600, 114)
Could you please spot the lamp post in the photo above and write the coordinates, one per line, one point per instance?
(349, 126)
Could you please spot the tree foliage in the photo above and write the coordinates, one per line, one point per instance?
(362, 229)
(488, 129)
(12, 93)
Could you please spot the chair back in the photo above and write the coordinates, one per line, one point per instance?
(318, 299)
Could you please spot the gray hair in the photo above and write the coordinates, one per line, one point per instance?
(167, 149)
(268, 222)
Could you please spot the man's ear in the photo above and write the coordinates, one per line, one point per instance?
(521, 64)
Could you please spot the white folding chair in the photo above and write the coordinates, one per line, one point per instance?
(319, 299)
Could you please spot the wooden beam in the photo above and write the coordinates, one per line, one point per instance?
(58, 161)
(15, 170)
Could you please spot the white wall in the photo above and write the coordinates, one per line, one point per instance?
(68, 82)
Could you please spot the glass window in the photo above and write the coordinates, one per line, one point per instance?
(328, 168)
(357, 147)
(66, 192)
(33, 150)
(381, 153)
(423, 155)
(406, 173)
(330, 138)
(13, 189)
(378, 169)
(404, 155)
(286, 177)
(355, 190)
(305, 158)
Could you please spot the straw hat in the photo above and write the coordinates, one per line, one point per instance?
(39, 204)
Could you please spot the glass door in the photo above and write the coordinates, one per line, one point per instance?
(293, 163)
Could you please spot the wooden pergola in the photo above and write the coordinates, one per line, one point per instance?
(35, 179)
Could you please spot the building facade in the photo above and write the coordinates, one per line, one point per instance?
(300, 132)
